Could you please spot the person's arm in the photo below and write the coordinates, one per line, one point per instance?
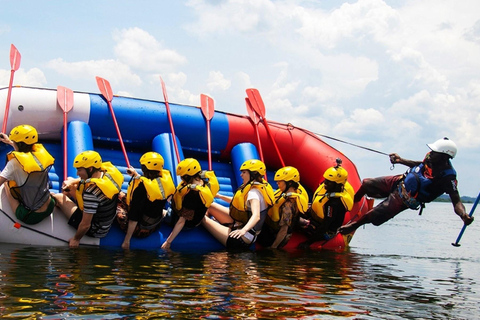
(280, 236)
(395, 158)
(128, 236)
(81, 231)
(176, 230)
(459, 208)
(5, 139)
(223, 197)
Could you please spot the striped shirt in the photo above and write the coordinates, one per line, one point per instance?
(102, 208)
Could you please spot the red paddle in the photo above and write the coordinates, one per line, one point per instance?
(259, 107)
(167, 106)
(255, 119)
(65, 101)
(208, 109)
(15, 58)
(107, 93)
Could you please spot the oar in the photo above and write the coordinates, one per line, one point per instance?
(255, 119)
(107, 93)
(65, 101)
(457, 244)
(208, 109)
(259, 107)
(167, 106)
(15, 58)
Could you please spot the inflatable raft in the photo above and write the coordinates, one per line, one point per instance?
(145, 126)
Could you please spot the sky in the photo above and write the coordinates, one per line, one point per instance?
(387, 75)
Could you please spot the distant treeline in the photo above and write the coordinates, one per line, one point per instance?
(446, 198)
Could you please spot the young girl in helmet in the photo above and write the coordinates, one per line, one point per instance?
(331, 201)
(192, 198)
(145, 198)
(95, 193)
(237, 227)
(291, 199)
(27, 174)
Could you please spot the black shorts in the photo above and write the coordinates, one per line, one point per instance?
(76, 218)
(243, 243)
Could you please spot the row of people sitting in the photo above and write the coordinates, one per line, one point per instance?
(93, 201)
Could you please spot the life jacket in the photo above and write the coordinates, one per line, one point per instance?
(238, 206)
(159, 188)
(206, 192)
(110, 183)
(301, 199)
(321, 196)
(417, 185)
(35, 190)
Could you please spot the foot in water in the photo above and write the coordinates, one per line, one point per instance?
(347, 228)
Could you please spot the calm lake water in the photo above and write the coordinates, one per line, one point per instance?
(405, 269)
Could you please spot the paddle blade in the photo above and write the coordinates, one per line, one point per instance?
(65, 98)
(207, 105)
(15, 58)
(252, 114)
(256, 102)
(105, 88)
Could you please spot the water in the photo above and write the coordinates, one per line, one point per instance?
(405, 269)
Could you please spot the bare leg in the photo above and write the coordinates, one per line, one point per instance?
(220, 213)
(65, 204)
(217, 230)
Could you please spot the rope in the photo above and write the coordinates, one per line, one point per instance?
(41, 232)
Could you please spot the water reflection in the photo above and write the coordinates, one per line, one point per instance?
(87, 283)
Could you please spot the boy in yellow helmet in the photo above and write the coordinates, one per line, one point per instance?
(146, 198)
(96, 193)
(27, 173)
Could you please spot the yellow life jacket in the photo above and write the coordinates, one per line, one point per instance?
(110, 183)
(321, 197)
(206, 192)
(301, 197)
(159, 188)
(37, 160)
(238, 206)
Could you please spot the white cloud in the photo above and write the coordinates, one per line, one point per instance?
(140, 50)
(33, 77)
(217, 81)
(112, 70)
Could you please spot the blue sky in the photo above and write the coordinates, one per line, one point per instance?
(388, 75)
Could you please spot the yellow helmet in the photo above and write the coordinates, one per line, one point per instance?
(189, 167)
(88, 159)
(254, 165)
(287, 174)
(152, 160)
(24, 133)
(336, 174)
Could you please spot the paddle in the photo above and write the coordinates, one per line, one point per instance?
(457, 244)
(259, 107)
(15, 58)
(255, 119)
(65, 101)
(208, 109)
(167, 106)
(107, 93)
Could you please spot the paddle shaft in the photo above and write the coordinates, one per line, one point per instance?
(172, 129)
(254, 117)
(209, 145)
(119, 134)
(273, 141)
(457, 244)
